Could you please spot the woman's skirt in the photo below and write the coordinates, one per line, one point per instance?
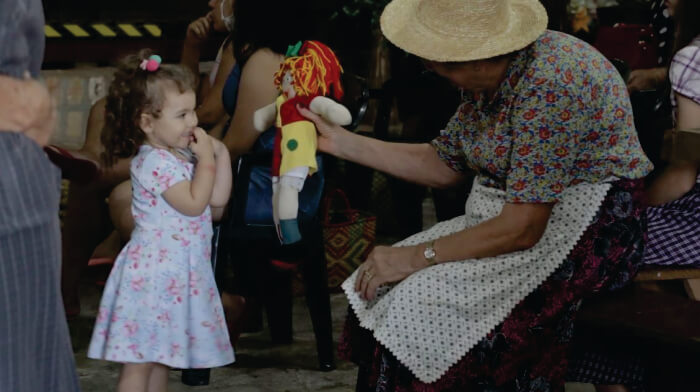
(527, 351)
(674, 231)
(35, 349)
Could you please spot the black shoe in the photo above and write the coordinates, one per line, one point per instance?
(195, 377)
(326, 366)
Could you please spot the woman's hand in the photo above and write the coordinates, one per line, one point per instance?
(329, 133)
(26, 106)
(386, 265)
(646, 79)
(199, 30)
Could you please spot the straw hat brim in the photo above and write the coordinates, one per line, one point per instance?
(528, 20)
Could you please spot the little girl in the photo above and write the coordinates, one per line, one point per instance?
(160, 306)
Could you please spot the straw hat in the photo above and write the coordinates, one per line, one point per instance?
(462, 30)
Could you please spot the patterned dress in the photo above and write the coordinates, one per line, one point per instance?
(160, 303)
(561, 117)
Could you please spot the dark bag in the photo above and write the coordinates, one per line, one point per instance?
(633, 43)
(258, 201)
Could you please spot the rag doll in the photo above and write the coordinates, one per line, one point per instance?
(308, 77)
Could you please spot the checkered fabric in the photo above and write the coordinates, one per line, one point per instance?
(674, 232)
(684, 72)
(604, 369)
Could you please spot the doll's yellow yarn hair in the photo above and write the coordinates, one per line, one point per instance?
(316, 71)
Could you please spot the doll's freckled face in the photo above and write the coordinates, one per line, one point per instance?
(288, 85)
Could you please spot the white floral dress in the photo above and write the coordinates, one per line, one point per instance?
(160, 303)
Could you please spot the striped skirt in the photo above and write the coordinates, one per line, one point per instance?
(35, 349)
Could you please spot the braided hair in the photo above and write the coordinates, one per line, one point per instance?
(133, 92)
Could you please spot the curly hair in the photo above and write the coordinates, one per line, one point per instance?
(133, 92)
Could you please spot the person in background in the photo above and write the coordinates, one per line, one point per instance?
(674, 218)
(673, 231)
(210, 108)
(35, 349)
(656, 78)
(249, 274)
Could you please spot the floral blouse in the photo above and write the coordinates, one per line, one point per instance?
(562, 116)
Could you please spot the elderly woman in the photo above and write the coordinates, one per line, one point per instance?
(486, 301)
(35, 350)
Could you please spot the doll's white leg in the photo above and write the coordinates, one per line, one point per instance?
(275, 206)
(288, 202)
(290, 185)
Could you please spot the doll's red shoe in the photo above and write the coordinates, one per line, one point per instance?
(73, 167)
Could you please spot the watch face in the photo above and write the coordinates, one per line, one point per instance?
(429, 253)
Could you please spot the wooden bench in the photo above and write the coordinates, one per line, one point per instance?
(647, 314)
(661, 329)
(689, 276)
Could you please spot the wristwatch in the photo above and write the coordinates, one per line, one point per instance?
(429, 253)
